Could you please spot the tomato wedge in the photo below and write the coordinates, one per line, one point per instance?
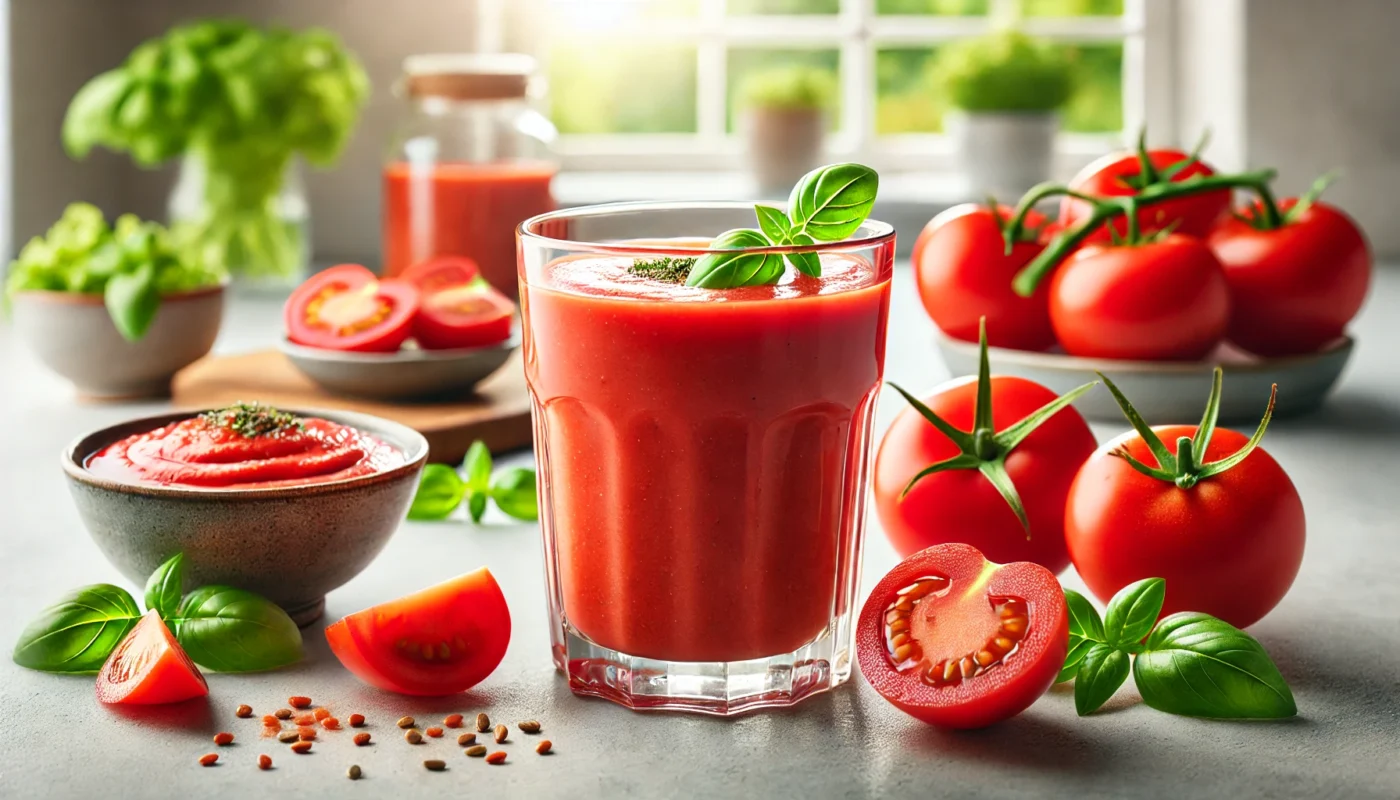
(442, 640)
(441, 272)
(961, 642)
(459, 309)
(149, 667)
(348, 308)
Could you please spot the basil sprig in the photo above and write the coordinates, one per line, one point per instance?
(1189, 663)
(76, 634)
(441, 489)
(827, 205)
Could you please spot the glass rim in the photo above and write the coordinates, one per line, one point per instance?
(881, 232)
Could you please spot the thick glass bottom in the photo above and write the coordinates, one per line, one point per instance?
(720, 688)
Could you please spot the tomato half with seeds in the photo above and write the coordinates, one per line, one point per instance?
(348, 308)
(463, 315)
(442, 640)
(149, 667)
(958, 641)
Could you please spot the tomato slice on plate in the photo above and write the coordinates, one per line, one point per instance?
(961, 642)
(442, 640)
(441, 272)
(348, 308)
(149, 667)
(459, 309)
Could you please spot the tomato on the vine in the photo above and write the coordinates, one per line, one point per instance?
(1157, 300)
(1126, 174)
(1217, 517)
(964, 274)
(961, 642)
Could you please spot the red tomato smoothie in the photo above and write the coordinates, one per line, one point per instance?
(706, 451)
(462, 209)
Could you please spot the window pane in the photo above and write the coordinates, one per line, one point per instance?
(906, 100)
(1097, 103)
(622, 86)
(1072, 8)
(771, 74)
(742, 7)
(947, 8)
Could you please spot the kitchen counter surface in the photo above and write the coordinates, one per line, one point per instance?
(1336, 638)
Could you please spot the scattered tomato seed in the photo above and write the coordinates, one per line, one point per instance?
(476, 751)
(405, 722)
(466, 740)
(264, 762)
(270, 721)
(435, 764)
(208, 759)
(544, 747)
(453, 720)
(483, 722)
(529, 726)
(306, 734)
(361, 739)
(305, 719)
(301, 748)
(330, 724)
(320, 713)
(297, 701)
(434, 732)
(283, 713)
(412, 736)
(223, 739)
(244, 711)
(501, 733)
(498, 757)
(356, 720)
(354, 772)
(287, 737)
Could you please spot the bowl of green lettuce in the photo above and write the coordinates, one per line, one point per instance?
(116, 308)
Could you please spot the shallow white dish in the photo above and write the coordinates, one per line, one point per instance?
(409, 374)
(1170, 392)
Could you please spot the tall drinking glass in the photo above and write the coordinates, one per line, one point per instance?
(703, 455)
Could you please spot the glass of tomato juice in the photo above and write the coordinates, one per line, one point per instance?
(703, 455)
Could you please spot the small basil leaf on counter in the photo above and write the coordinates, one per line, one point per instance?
(476, 505)
(514, 493)
(806, 263)
(440, 491)
(77, 633)
(477, 466)
(235, 630)
(1101, 673)
(1133, 611)
(773, 223)
(831, 202)
(1199, 666)
(1078, 648)
(727, 270)
(1083, 619)
(132, 301)
(165, 587)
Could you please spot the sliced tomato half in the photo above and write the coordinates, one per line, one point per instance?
(459, 308)
(348, 308)
(441, 273)
(149, 667)
(961, 642)
(442, 640)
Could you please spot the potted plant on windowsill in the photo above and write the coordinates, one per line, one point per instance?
(783, 113)
(1005, 90)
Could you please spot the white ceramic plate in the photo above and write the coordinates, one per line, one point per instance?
(1169, 392)
(409, 374)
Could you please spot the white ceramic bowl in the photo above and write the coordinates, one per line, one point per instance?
(409, 374)
(1171, 392)
(74, 336)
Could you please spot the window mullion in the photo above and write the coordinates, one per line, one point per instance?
(857, 71)
(712, 74)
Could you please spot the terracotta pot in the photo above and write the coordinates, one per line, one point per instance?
(784, 145)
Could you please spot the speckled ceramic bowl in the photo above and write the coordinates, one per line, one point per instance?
(408, 374)
(291, 545)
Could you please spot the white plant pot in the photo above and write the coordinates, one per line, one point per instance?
(784, 144)
(1003, 154)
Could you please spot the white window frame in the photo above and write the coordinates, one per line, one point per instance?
(857, 32)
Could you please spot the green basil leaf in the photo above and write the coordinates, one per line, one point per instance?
(77, 633)
(88, 121)
(1133, 611)
(1078, 648)
(1199, 666)
(515, 494)
(724, 270)
(440, 490)
(806, 263)
(132, 301)
(235, 630)
(165, 587)
(831, 202)
(1102, 671)
(1083, 619)
(476, 505)
(773, 223)
(477, 466)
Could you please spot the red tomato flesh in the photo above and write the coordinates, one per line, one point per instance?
(463, 315)
(149, 667)
(960, 642)
(347, 308)
(442, 640)
(442, 272)
(1117, 175)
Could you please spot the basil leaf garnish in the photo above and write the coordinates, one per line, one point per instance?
(1078, 648)
(773, 223)
(132, 301)
(1133, 611)
(1102, 671)
(831, 202)
(165, 587)
(728, 270)
(1199, 666)
(477, 465)
(476, 505)
(1083, 619)
(440, 490)
(77, 633)
(235, 630)
(806, 263)
(514, 493)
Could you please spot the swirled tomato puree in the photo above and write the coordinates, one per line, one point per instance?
(245, 447)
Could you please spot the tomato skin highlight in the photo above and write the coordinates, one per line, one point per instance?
(1293, 289)
(161, 672)
(962, 505)
(1230, 546)
(382, 336)
(1161, 301)
(438, 641)
(458, 309)
(1007, 689)
(1194, 215)
(964, 274)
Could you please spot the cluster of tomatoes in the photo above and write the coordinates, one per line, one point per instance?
(1168, 277)
(443, 303)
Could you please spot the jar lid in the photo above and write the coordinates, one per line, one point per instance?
(468, 76)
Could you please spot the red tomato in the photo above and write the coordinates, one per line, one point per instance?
(960, 642)
(1120, 175)
(1228, 546)
(1164, 300)
(964, 275)
(962, 505)
(442, 640)
(148, 667)
(1293, 289)
(348, 308)
(441, 272)
(459, 308)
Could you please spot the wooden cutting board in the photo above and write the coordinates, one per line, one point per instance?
(498, 413)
